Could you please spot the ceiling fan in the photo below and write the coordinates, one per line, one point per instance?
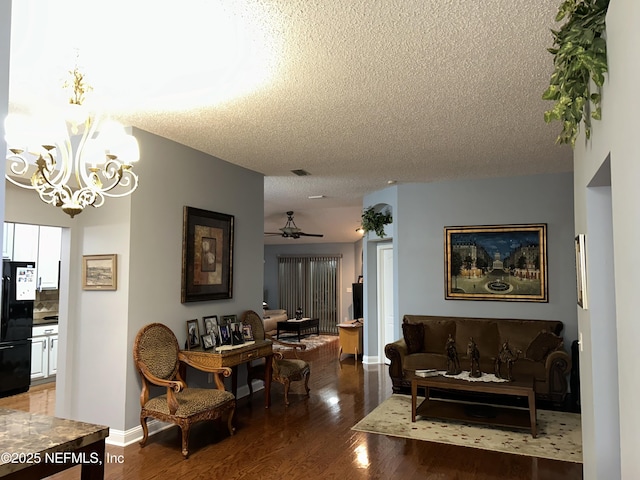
(290, 230)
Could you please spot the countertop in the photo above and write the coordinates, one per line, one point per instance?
(30, 434)
(49, 320)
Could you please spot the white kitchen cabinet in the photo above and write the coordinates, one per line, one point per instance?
(44, 352)
(34, 243)
(48, 263)
(7, 241)
(25, 242)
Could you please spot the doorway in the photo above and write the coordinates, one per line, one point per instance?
(386, 298)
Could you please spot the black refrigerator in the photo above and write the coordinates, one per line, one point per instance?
(18, 295)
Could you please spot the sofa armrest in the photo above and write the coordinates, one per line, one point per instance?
(395, 352)
(558, 366)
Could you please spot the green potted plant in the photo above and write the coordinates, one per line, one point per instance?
(580, 55)
(374, 221)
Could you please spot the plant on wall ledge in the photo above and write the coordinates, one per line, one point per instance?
(373, 221)
(580, 54)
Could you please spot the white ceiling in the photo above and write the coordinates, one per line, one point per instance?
(356, 92)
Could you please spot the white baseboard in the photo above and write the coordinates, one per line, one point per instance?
(122, 438)
(371, 359)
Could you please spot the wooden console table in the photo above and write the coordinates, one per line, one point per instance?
(38, 446)
(209, 361)
(449, 410)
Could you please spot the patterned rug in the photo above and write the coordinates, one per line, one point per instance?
(313, 342)
(559, 433)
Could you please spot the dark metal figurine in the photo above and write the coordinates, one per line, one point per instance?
(453, 363)
(474, 357)
(506, 356)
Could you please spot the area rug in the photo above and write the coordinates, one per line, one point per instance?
(313, 342)
(559, 433)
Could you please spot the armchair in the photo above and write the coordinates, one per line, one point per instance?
(156, 355)
(285, 370)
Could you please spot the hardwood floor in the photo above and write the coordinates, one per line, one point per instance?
(312, 438)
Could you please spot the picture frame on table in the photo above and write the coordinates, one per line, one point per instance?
(207, 255)
(208, 341)
(225, 335)
(100, 272)
(193, 334)
(228, 319)
(247, 332)
(496, 262)
(581, 270)
(209, 323)
(236, 333)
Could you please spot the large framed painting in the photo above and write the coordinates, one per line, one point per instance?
(496, 262)
(207, 255)
(581, 270)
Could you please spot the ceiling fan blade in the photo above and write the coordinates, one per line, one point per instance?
(310, 234)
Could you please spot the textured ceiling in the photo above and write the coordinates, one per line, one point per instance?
(356, 92)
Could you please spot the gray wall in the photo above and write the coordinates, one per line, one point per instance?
(607, 169)
(351, 264)
(420, 213)
(5, 47)
(97, 329)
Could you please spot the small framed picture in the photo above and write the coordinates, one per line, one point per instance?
(209, 323)
(208, 342)
(228, 319)
(247, 332)
(581, 270)
(193, 334)
(225, 335)
(100, 272)
(236, 333)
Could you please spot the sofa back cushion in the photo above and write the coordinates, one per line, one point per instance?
(436, 331)
(413, 334)
(520, 333)
(483, 332)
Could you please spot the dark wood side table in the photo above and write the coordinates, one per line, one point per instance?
(298, 326)
(502, 416)
(209, 360)
(38, 446)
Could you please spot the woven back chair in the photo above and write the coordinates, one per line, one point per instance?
(156, 356)
(285, 370)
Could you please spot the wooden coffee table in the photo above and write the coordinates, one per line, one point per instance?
(503, 416)
(298, 326)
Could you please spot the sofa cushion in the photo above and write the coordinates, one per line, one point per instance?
(519, 333)
(542, 345)
(413, 336)
(420, 361)
(436, 334)
(483, 332)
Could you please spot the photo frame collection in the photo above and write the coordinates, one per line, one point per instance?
(226, 330)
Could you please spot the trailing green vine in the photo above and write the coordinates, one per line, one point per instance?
(373, 221)
(580, 54)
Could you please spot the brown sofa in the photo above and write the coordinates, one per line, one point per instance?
(270, 318)
(542, 351)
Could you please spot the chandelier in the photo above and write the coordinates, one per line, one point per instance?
(71, 162)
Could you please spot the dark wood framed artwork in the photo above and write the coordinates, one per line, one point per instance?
(581, 270)
(207, 255)
(496, 262)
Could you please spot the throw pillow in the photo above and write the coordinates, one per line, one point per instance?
(413, 336)
(541, 346)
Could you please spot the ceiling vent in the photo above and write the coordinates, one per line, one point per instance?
(300, 173)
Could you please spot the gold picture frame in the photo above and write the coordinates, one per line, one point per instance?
(100, 272)
(497, 263)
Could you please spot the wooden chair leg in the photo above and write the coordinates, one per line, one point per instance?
(287, 382)
(185, 440)
(306, 381)
(145, 431)
(230, 422)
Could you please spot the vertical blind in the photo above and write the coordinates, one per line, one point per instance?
(311, 282)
